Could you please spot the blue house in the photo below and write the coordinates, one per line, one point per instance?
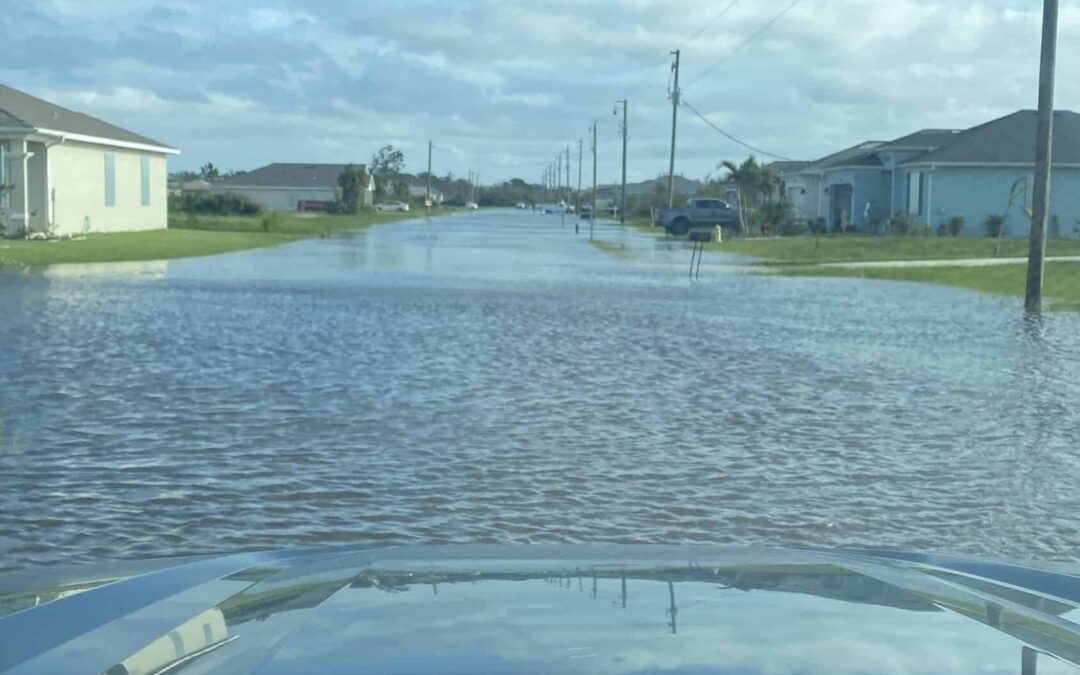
(935, 174)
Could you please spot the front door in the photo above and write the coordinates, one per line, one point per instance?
(840, 213)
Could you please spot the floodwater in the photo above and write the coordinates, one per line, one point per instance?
(492, 377)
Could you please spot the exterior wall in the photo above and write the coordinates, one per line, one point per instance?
(804, 193)
(975, 193)
(16, 211)
(284, 199)
(77, 174)
(37, 181)
(867, 185)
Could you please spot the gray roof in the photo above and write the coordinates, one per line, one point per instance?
(19, 110)
(926, 139)
(841, 158)
(786, 166)
(1008, 140)
(288, 176)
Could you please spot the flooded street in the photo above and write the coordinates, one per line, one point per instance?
(492, 377)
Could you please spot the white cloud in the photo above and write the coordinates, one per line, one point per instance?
(507, 84)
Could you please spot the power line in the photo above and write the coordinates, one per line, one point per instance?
(747, 41)
(709, 25)
(732, 138)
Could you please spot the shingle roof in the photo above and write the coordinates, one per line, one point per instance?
(1008, 140)
(840, 158)
(289, 176)
(19, 110)
(786, 165)
(926, 139)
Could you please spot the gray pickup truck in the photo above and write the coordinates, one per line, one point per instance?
(702, 212)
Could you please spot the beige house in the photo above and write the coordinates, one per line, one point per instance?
(290, 187)
(63, 172)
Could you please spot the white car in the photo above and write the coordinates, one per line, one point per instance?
(471, 206)
(392, 206)
(521, 205)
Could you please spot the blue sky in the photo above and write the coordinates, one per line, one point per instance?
(502, 85)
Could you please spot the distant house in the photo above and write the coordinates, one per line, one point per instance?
(281, 187)
(420, 192)
(67, 172)
(936, 174)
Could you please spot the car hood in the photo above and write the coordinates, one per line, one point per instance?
(589, 609)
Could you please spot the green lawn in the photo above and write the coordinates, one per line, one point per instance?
(1061, 284)
(186, 238)
(853, 248)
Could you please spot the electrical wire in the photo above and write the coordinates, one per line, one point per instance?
(769, 24)
(732, 138)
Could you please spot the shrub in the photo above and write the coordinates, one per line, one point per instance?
(995, 225)
(794, 228)
(337, 207)
(215, 204)
(270, 221)
(817, 225)
(955, 225)
(903, 223)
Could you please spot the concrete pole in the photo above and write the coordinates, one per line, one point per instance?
(1043, 159)
(580, 148)
(592, 220)
(427, 196)
(674, 124)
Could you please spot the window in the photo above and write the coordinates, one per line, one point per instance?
(915, 192)
(144, 174)
(110, 179)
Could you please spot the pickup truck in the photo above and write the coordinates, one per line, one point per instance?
(698, 213)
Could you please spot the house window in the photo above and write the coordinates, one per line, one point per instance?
(110, 179)
(915, 197)
(144, 175)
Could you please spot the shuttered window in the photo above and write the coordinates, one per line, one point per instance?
(110, 179)
(144, 175)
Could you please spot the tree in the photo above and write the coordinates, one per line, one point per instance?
(209, 173)
(755, 187)
(385, 165)
(353, 182)
(401, 190)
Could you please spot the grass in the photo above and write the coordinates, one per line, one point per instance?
(618, 250)
(1061, 283)
(186, 238)
(853, 248)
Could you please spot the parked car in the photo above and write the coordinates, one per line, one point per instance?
(698, 213)
(471, 206)
(521, 205)
(392, 206)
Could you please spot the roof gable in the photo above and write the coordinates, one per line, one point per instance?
(1008, 140)
(19, 110)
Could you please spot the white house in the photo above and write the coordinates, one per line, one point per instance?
(281, 187)
(65, 172)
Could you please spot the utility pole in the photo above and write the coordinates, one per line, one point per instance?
(569, 190)
(674, 123)
(580, 147)
(592, 219)
(622, 192)
(427, 197)
(1040, 202)
(558, 178)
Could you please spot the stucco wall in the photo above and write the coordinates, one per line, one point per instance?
(974, 193)
(280, 199)
(77, 173)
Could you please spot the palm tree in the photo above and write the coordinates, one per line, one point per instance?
(754, 186)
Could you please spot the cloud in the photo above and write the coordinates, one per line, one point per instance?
(503, 85)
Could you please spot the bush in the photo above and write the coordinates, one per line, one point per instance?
(903, 224)
(995, 225)
(338, 207)
(214, 204)
(270, 221)
(955, 225)
(817, 225)
(794, 228)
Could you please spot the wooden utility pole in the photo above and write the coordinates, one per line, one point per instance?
(1040, 203)
(580, 148)
(674, 123)
(427, 197)
(558, 178)
(622, 192)
(592, 219)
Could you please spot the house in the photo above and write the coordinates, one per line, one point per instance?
(65, 172)
(937, 174)
(281, 187)
(420, 192)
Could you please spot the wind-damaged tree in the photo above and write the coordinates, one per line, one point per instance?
(209, 173)
(353, 181)
(755, 186)
(385, 165)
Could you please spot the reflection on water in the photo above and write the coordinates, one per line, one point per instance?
(492, 377)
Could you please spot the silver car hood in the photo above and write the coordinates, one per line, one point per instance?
(543, 609)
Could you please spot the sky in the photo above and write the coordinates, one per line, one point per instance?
(502, 86)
